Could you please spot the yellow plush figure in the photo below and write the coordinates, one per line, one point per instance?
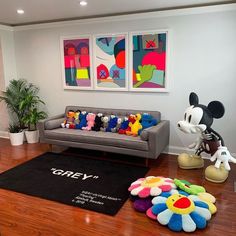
(136, 126)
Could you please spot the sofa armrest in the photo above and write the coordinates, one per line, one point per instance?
(158, 138)
(49, 123)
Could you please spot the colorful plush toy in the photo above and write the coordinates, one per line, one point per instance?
(131, 120)
(198, 190)
(90, 121)
(124, 126)
(115, 130)
(198, 119)
(69, 119)
(98, 122)
(112, 123)
(181, 212)
(105, 120)
(188, 187)
(147, 121)
(83, 121)
(136, 126)
(76, 120)
(143, 190)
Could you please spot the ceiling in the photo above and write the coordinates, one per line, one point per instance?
(42, 11)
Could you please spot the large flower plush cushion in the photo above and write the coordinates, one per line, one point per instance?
(181, 212)
(151, 186)
(198, 190)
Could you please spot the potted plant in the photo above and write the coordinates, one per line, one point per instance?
(30, 104)
(22, 100)
(32, 118)
(16, 135)
(14, 94)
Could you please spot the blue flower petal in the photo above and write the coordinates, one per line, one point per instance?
(175, 222)
(199, 220)
(156, 209)
(201, 204)
(183, 193)
(165, 194)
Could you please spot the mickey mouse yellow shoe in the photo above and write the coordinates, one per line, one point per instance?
(187, 161)
(216, 175)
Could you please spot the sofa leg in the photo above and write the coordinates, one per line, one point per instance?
(146, 162)
(50, 147)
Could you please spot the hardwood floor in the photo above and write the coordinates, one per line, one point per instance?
(23, 215)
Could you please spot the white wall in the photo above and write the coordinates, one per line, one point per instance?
(7, 70)
(203, 59)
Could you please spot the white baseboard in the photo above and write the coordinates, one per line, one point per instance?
(175, 150)
(4, 134)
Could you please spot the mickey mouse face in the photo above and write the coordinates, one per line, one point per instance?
(191, 122)
(198, 117)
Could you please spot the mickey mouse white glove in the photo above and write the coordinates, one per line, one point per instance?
(222, 155)
(196, 144)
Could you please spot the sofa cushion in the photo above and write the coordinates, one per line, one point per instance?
(144, 135)
(53, 124)
(100, 138)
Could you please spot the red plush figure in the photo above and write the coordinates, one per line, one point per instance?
(131, 120)
(135, 127)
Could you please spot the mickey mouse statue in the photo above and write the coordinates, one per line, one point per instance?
(198, 119)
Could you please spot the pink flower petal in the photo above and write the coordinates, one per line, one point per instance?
(169, 181)
(165, 188)
(144, 193)
(133, 187)
(150, 214)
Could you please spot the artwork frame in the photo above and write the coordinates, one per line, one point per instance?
(150, 50)
(111, 58)
(77, 65)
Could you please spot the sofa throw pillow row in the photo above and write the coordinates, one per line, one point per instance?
(131, 125)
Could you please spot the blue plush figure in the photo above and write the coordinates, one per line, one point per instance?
(147, 121)
(124, 125)
(83, 121)
(112, 123)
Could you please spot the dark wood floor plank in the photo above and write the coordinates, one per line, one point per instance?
(23, 215)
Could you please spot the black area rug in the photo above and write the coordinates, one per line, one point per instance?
(95, 185)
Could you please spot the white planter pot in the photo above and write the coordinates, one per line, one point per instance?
(16, 138)
(32, 136)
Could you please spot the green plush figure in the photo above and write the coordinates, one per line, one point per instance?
(188, 187)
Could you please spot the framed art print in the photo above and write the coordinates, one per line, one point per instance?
(110, 62)
(76, 62)
(148, 61)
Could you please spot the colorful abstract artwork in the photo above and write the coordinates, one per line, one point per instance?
(76, 63)
(148, 67)
(110, 62)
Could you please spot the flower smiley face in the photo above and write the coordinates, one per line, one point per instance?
(180, 212)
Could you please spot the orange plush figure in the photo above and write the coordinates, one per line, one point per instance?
(76, 120)
(136, 126)
(69, 119)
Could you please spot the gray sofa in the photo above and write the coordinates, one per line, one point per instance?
(149, 144)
